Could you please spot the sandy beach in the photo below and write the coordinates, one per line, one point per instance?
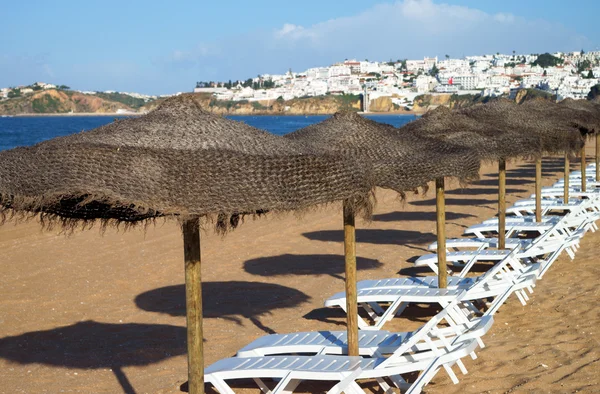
(104, 313)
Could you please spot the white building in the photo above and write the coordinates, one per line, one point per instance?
(425, 83)
(466, 82)
(336, 71)
(317, 73)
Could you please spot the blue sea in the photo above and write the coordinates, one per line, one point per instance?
(25, 131)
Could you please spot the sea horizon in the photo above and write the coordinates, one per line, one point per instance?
(29, 130)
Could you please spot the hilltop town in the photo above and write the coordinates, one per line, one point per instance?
(370, 86)
(564, 75)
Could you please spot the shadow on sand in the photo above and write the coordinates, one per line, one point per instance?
(93, 345)
(374, 236)
(400, 216)
(228, 300)
(297, 264)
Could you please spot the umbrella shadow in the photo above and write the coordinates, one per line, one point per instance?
(296, 264)
(509, 182)
(400, 216)
(420, 313)
(374, 236)
(231, 300)
(457, 202)
(94, 345)
(483, 191)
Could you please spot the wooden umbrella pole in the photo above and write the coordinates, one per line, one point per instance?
(538, 189)
(193, 304)
(597, 158)
(583, 165)
(567, 174)
(441, 233)
(502, 204)
(350, 257)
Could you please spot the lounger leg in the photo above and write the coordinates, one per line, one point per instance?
(423, 379)
(384, 385)
(221, 386)
(451, 373)
(520, 297)
(263, 387)
(376, 307)
(396, 308)
(462, 367)
(399, 382)
(287, 385)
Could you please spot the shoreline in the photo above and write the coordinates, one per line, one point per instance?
(404, 113)
(71, 114)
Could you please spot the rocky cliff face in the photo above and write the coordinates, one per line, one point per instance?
(301, 106)
(58, 101)
(426, 102)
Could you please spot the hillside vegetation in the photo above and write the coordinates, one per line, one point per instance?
(328, 104)
(60, 101)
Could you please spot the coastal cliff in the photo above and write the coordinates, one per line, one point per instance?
(320, 105)
(64, 102)
(54, 101)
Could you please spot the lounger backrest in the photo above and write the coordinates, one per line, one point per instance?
(501, 268)
(422, 333)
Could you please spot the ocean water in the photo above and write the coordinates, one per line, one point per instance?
(26, 131)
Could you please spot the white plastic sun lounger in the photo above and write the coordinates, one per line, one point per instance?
(573, 220)
(371, 343)
(529, 250)
(590, 181)
(462, 244)
(479, 230)
(558, 192)
(344, 371)
(383, 299)
(291, 370)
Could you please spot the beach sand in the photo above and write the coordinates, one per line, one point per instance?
(92, 313)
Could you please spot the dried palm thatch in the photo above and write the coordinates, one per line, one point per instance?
(179, 160)
(400, 162)
(583, 114)
(489, 140)
(532, 119)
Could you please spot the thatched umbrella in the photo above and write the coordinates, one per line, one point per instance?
(177, 161)
(492, 143)
(532, 120)
(584, 115)
(400, 163)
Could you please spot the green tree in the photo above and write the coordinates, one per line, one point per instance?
(14, 93)
(447, 57)
(64, 87)
(590, 75)
(546, 60)
(434, 71)
(584, 65)
(594, 92)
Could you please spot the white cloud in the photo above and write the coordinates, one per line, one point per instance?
(404, 29)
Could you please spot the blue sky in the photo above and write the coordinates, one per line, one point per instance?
(159, 47)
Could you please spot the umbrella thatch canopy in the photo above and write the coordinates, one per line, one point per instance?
(176, 161)
(570, 116)
(469, 128)
(399, 162)
(481, 129)
(584, 114)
